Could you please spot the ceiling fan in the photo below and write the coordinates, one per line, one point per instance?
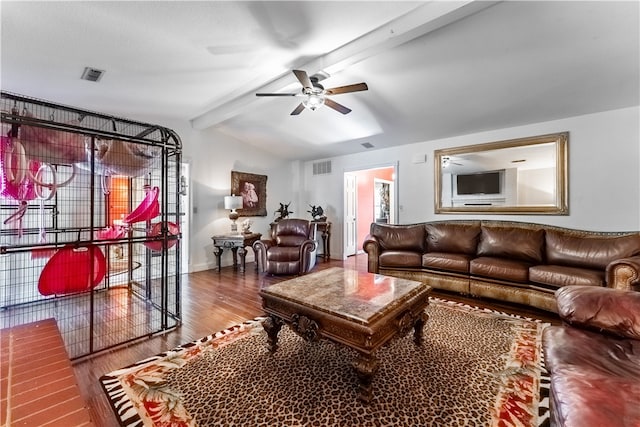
(316, 95)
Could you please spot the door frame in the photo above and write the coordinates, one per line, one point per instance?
(393, 195)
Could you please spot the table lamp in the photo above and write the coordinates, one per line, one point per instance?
(233, 202)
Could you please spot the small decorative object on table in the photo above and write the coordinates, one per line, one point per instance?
(246, 226)
(317, 213)
(283, 211)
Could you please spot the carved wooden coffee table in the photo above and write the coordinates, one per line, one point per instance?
(361, 310)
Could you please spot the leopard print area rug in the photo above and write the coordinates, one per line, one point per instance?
(476, 367)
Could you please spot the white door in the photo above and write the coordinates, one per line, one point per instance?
(350, 211)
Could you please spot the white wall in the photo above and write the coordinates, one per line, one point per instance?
(604, 174)
(212, 156)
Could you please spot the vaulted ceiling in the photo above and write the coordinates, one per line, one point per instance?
(434, 69)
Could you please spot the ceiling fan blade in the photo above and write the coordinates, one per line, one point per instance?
(303, 77)
(338, 107)
(276, 94)
(298, 109)
(346, 89)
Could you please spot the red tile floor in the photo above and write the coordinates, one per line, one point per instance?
(37, 382)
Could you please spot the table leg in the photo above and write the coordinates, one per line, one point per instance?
(234, 251)
(242, 252)
(418, 332)
(272, 326)
(366, 365)
(217, 250)
(325, 249)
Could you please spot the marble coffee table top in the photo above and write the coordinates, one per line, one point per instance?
(358, 296)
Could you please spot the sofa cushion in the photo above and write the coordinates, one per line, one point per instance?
(400, 259)
(614, 311)
(453, 238)
(595, 379)
(399, 237)
(447, 261)
(500, 269)
(514, 243)
(558, 276)
(590, 252)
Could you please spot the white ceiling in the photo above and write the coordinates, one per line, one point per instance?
(434, 69)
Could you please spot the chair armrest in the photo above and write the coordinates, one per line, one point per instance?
(263, 245)
(604, 309)
(260, 250)
(307, 255)
(624, 273)
(371, 246)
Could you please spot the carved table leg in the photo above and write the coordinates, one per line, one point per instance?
(234, 252)
(242, 252)
(272, 326)
(365, 366)
(217, 250)
(418, 333)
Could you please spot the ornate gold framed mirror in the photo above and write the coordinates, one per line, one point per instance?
(518, 176)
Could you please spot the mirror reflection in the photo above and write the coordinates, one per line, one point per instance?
(521, 176)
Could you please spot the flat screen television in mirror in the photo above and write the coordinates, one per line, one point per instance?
(478, 183)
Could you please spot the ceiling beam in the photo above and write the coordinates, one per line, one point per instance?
(420, 21)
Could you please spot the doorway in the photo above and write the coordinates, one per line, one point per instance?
(366, 192)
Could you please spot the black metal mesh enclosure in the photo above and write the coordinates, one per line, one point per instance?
(89, 224)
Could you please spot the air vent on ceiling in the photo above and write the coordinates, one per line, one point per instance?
(92, 74)
(367, 145)
(322, 168)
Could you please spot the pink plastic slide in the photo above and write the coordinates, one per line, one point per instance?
(148, 209)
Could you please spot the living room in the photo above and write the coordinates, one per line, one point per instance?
(536, 68)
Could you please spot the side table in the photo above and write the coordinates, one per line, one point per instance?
(237, 244)
(325, 229)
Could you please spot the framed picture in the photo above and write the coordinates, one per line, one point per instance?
(253, 189)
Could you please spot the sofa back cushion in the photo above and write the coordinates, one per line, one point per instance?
(452, 238)
(589, 252)
(399, 237)
(525, 244)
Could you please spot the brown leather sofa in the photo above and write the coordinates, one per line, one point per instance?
(594, 359)
(512, 261)
(291, 248)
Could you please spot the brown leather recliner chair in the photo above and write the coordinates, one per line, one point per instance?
(290, 250)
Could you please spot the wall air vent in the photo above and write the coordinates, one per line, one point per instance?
(322, 168)
(367, 145)
(92, 74)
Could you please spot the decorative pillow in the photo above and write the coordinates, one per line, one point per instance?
(589, 252)
(509, 242)
(452, 238)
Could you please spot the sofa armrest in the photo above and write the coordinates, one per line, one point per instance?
(608, 310)
(624, 273)
(371, 246)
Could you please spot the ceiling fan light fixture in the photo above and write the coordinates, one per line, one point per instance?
(313, 101)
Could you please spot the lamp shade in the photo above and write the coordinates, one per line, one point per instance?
(233, 202)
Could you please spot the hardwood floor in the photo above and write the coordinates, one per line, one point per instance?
(213, 301)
